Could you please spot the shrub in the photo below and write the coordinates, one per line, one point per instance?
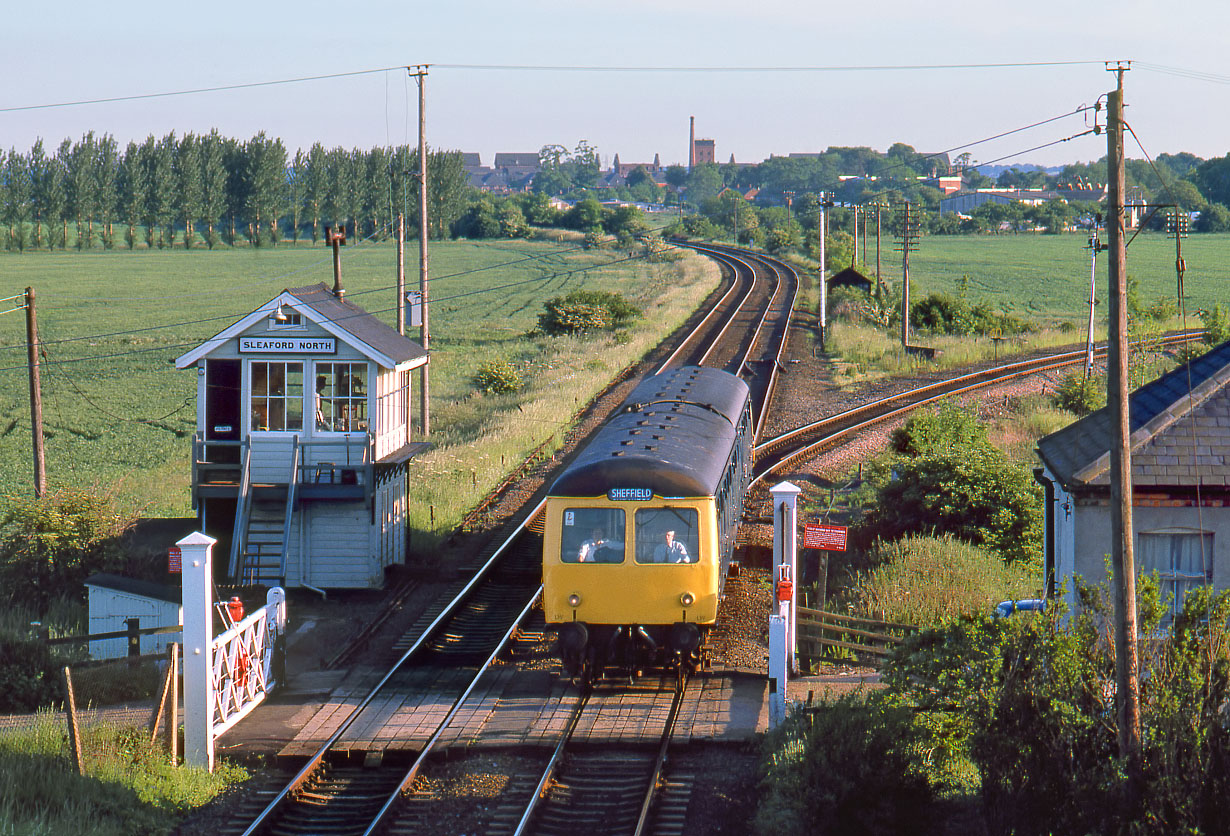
(942, 313)
(1216, 325)
(846, 767)
(586, 310)
(498, 377)
(1081, 395)
(29, 674)
(48, 546)
(945, 428)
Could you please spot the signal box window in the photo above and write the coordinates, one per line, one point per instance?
(341, 397)
(667, 535)
(277, 397)
(592, 535)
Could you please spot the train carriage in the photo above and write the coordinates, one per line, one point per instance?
(640, 528)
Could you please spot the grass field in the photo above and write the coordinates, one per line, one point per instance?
(119, 417)
(1046, 277)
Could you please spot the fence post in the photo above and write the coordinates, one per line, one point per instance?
(275, 635)
(785, 550)
(133, 626)
(74, 733)
(173, 704)
(199, 697)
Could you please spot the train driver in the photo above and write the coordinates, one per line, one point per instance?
(670, 551)
(588, 553)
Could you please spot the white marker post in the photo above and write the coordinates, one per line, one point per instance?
(785, 548)
(199, 695)
(777, 670)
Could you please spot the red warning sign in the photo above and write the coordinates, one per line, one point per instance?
(820, 536)
(175, 559)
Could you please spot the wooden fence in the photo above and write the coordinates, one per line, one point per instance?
(821, 633)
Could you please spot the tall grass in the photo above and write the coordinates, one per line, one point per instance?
(130, 787)
(928, 580)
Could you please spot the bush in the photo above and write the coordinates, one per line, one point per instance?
(583, 311)
(1216, 325)
(951, 480)
(498, 377)
(846, 767)
(49, 546)
(1031, 701)
(1081, 395)
(29, 674)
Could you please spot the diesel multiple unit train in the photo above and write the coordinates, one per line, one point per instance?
(640, 527)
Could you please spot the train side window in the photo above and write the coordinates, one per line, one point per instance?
(667, 535)
(592, 535)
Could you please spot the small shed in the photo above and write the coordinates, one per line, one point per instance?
(850, 278)
(114, 599)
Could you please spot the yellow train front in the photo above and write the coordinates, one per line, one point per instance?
(640, 528)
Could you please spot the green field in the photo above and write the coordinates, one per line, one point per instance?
(119, 416)
(1046, 277)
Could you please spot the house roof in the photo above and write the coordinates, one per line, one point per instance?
(507, 159)
(1180, 437)
(340, 317)
(850, 278)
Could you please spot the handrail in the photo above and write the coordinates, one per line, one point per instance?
(291, 490)
(242, 506)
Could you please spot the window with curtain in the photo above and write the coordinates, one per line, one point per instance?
(1182, 559)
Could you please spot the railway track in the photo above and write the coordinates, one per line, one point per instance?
(776, 454)
(443, 663)
(607, 790)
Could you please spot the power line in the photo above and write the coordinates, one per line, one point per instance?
(195, 91)
(1181, 72)
(761, 69)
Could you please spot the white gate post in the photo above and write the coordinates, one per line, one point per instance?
(785, 548)
(777, 670)
(197, 549)
(275, 635)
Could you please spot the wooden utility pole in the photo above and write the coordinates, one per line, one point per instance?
(1122, 557)
(879, 282)
(401, 274)
(909, 240)
(36, 397)
(425, 390)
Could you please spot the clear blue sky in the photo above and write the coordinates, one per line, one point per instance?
(66, 52)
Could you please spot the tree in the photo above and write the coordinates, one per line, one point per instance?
(676, 175)
(40, 167)
(1212, 178)
(703, 184)
(213, 184)
(189, 172)
(447, 190)
(83, 188)
(1214, 218)
(134, 189)
(107, 185)
(296, 191)
(17, 198)
(162, 183)
(315, 187)
(266, 171)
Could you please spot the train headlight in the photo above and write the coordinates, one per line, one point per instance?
(687, 599)
(574, 600)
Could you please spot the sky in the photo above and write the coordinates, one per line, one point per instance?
(759, 94)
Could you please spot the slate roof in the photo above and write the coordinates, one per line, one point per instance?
(850, 278)
(351, 318)
(1176, 438)
(506, 159)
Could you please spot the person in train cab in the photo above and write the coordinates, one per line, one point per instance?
(588, 553)
(670, 551)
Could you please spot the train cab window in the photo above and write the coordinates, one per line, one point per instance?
(667, 535)
(592, 535)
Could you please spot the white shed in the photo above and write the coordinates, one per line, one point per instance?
(115, 599)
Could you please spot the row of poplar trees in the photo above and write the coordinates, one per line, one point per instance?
(211, 190)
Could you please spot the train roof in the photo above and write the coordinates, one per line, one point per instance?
(673, 435)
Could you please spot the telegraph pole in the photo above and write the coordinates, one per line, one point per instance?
(909, 241)
(36, 397)
(401, 274)
(1122, 557)
(1095, 247)
(425, 390)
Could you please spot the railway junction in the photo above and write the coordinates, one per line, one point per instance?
(395, 709)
